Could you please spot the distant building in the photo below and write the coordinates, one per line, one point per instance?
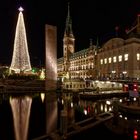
(116, 59)
(75, 64)
(119, 59)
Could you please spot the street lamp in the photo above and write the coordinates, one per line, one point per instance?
(124, 73)
(113, 72)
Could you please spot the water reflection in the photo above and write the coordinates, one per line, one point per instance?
(126, 121)
(36, 115)
(94, 108)
(123, 125)
(85, 109)
(42, 95)
(78, 110)
(21, 111)
(51, 114)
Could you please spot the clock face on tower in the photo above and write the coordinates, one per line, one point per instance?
(70, 41)
(71, 48)
(69, 45)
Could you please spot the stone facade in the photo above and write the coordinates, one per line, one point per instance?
(119, 59)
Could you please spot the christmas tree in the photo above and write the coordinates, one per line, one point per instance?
(20, 60)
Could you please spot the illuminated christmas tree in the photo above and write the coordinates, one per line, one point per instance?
(42, 75)
(20, 60)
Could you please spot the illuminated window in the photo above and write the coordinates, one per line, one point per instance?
(114, 59)
(92, 65)
(101, 61)
(125, 57)
(120, 58)
(138, 56)
(105, 60)
(109, 60)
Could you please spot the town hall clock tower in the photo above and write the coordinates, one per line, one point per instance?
(68, 43)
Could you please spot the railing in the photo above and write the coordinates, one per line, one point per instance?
(78, 127)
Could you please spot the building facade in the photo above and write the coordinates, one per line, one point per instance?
(116, 59)
(119, 59)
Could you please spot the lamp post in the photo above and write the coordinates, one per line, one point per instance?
(113, 74)
(124, 74)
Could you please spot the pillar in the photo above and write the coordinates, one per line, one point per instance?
(50, 57)
(51, 77)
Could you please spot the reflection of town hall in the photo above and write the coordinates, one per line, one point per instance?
(116, 59)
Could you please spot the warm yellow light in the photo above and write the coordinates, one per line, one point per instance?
(105, 109)
(71, 104)
(101, 107)
(113, 71)
(108, 102)
(21, 59)
(42, 75)
(42, 95)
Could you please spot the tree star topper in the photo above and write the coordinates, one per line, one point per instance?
(20, 9)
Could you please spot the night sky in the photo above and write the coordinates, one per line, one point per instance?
(90, 19)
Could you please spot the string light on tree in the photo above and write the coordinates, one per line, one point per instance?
(20, 60)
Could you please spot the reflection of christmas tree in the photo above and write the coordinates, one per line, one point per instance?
(21, 59)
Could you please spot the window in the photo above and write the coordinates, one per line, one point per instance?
(120, 58)
(125, 57)
(109, 59)
(101, 61)
(105, 60)
(138, 56)
(114, 59)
